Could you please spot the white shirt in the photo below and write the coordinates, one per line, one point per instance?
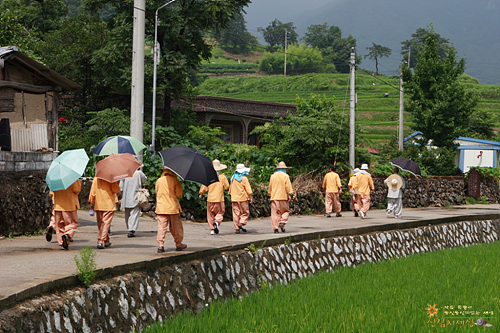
(395, 194)
(129, 187)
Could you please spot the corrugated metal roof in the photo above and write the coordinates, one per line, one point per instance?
(11, 53)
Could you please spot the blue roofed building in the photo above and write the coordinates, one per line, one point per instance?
(470, 152)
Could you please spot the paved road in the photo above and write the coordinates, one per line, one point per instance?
(28, 261)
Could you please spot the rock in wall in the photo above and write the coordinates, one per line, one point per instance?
(130, 302)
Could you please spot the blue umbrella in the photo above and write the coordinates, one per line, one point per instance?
(66, 169)
(119, 144)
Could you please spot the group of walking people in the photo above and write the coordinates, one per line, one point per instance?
(103, 198)
(361, 188)
(280, 190)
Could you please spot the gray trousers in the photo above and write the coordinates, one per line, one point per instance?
(132, 218)
(395, 205)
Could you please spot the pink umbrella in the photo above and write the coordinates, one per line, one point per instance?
(116, 167)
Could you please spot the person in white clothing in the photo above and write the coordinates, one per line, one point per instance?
(396, 185)
(129, 187)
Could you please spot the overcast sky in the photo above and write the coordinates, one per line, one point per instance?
(261, 12)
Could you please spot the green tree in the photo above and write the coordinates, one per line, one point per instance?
(274, 33)
(322, 36)
(440, 107)
(181, 36)
(14, 33)
(73, 51)
(336, 50)
(40, 16)
(235, 38)
(300, 60)
(416, 45)
(312, 138)
(377, 52)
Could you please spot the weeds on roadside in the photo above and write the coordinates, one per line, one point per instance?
(11, 236)
(255, 250)
(472, 201)
(288, 240)
(86, 265)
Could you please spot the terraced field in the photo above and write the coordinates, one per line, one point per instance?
(378, 116)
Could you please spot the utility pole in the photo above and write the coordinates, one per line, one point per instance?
(137, 99)
(401, 102)
(286, 35)
(401, 105)
(352, 159)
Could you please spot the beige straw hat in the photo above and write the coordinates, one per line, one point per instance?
(394, 182)
(241, 168)
(282, 165)
(218, 166)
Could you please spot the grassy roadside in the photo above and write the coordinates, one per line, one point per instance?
(390, 296)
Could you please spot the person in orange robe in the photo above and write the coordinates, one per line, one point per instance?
(241, 192)
(354, 194)
(103, 200)
(215, 198)
(52, 224)
(280, 189)
(333, 188)
(66, 206)
(364, 187)
(168, 210)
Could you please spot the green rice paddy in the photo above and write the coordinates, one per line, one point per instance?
(443, 291)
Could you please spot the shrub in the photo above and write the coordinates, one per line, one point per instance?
(86, 265)
(485, 172)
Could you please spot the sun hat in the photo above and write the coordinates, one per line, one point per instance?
(241, 168)
(282, 165)
(218, 166)
(355, 171)
(394, 182)
(364, 166)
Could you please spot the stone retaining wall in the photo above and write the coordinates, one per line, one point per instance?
(129, 302)
(26, 161)
(25, 202)
(25, 205)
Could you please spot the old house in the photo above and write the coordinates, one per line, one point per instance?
(28, 139)
(28, 102)
(236, 117)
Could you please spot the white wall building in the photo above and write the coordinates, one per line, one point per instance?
(471, 152)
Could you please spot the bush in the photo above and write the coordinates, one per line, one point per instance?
(300, 60)
(86, 265)
(485, 172)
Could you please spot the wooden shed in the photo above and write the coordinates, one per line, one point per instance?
(28, 102)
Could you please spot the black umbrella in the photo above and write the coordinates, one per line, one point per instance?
(407, 165)
(189, 164)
